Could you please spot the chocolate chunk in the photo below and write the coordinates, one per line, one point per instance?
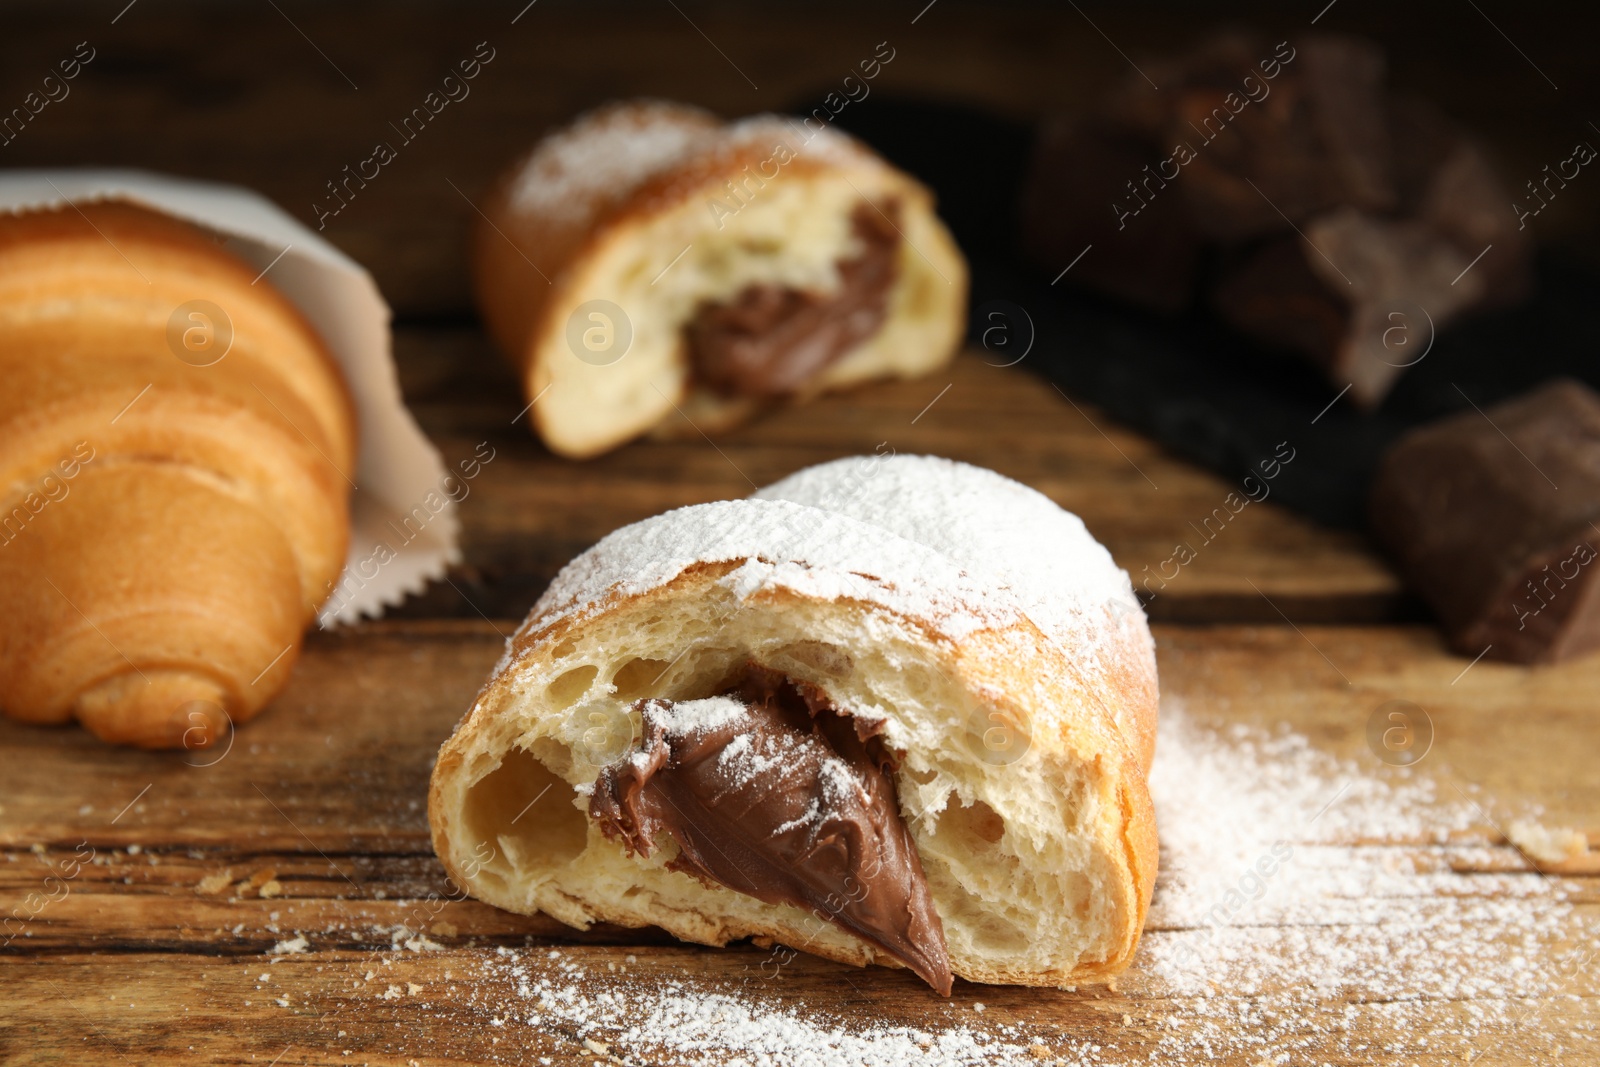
(769, 340)
(1495, 519)
(771, 791)
(1280, 180)
(1269, 150)
(1274, 294)
(1391, 283)
(1464, 204)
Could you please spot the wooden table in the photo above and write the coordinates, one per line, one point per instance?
(314, 822)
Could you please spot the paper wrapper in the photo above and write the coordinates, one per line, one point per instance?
(398, 470)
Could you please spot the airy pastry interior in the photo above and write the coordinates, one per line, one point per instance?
(1012, 891)
(817, 280)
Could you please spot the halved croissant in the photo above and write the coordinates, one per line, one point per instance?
(887, 710)
(651, 259)
(175, 453)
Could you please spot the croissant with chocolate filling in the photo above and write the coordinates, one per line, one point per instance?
(173, 507)
(888, 710)
(651, 264)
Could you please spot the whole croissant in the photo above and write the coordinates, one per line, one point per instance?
(176, 446)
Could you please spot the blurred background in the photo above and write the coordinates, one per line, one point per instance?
(284, 95)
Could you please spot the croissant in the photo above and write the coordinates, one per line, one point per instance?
(895, 710)
(651, 264)
(175, 449)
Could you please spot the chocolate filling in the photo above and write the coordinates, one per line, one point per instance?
(770, 340)
(780, 795)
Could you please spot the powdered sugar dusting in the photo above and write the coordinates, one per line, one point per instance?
(680, 1021)
(754, 756)
(607, 154)
(782, 544)
(947, 543)
(985, 522)
(684, 717)
(1016, 538)
(1291, 880)
(820, 144)
(1363, 941)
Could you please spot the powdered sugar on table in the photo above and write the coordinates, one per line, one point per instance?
(1360, 926)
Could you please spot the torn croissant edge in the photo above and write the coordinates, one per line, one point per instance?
(1041, 869)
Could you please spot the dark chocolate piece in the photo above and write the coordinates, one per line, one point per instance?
(1274, 294)
(1393, 282)
(786, 799)
(1344, 84)
(1280, 181)
(770, 340)
(1493, 517)
(1270, 150)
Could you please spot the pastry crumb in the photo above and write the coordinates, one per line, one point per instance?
(1547, 844)
(212, 884)
(290, 946)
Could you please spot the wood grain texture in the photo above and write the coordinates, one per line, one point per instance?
(528, 512)
(155, 952)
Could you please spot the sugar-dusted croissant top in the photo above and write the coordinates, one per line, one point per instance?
(958, 547)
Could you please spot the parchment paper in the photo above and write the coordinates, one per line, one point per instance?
(398, 470)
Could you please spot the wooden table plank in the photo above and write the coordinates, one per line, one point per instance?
(457, 1007)
(325, 795)
(528, 512)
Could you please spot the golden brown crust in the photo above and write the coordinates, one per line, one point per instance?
(518, 256)
(127, 268)
(1137, 693)
(171, 522)
(1091, 731)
